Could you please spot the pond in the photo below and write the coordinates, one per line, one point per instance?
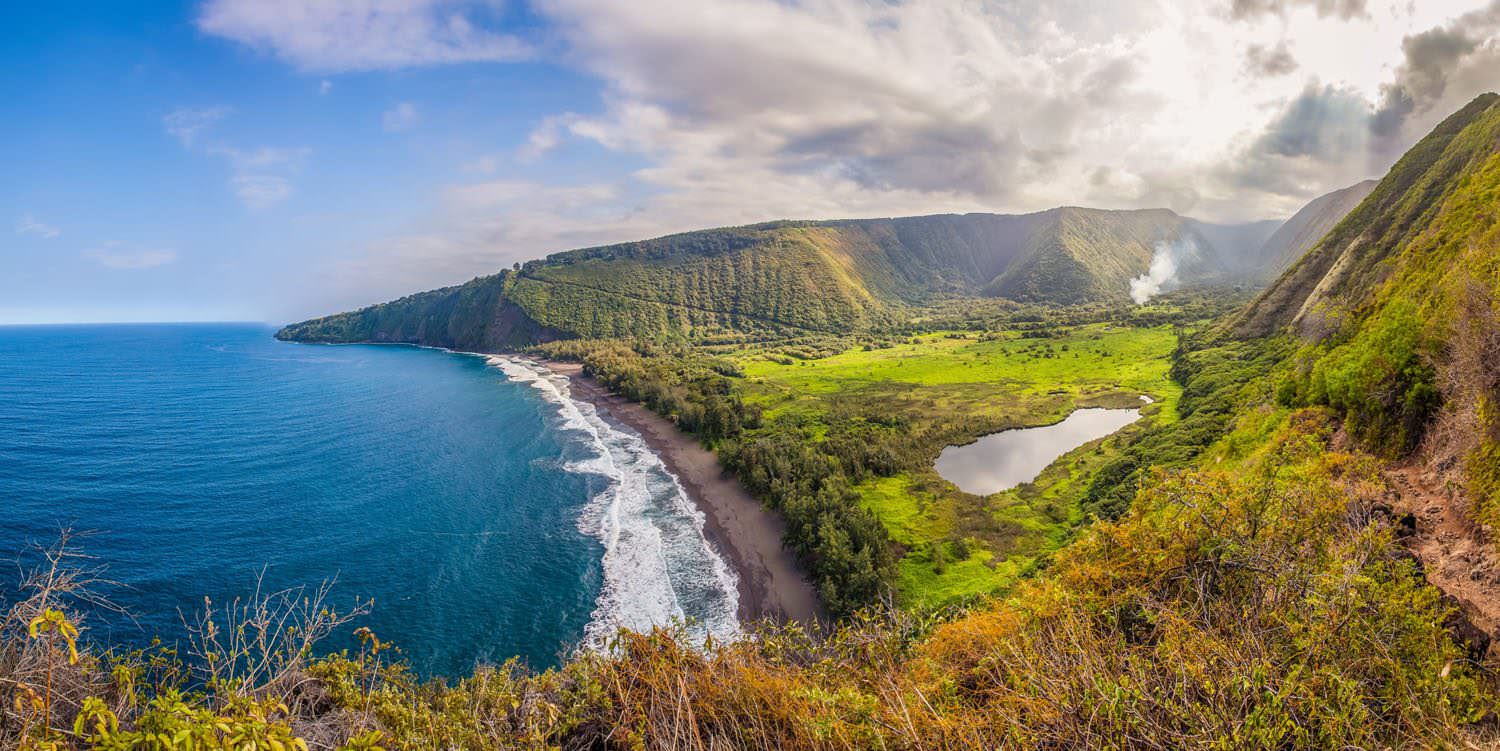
(1003, 460)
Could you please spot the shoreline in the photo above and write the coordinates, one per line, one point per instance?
(771, 583)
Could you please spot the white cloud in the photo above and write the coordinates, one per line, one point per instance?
(324, 87)
(357, 35)
(28, 225)
(748, 110)
(942, 104)
(186, 123)
(113, 256)
(261, 191)
(1345, 9)
(403, 116)
(546, 136)
(250, 181)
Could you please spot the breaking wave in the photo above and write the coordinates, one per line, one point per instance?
(658, 566)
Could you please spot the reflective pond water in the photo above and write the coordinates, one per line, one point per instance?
(1003, 460)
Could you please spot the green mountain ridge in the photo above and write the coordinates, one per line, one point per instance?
(1341, 273)
(790, 277)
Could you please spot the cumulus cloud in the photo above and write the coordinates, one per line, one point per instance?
(546, 136)
(28, 225)
(359, 35)
(1322, 134)
(940, 99)
(403, 116)
(742, 110)
(1464, 51)
(1338, 133)
(113, 255)
(1325, 122)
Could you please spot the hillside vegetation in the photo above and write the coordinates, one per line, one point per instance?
(787, 279)
(1397, 309)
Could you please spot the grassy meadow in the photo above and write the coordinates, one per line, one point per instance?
(950, 387)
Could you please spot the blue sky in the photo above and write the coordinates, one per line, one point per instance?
(271, 160)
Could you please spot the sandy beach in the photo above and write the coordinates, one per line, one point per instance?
(771, 583)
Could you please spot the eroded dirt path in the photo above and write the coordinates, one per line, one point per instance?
(1457, 557)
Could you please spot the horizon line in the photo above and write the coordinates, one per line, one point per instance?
(18, 324)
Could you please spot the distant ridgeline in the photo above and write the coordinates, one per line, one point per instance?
(787, 278)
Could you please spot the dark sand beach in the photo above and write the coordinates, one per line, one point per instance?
(771, 583)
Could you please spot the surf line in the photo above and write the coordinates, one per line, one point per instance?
(659, 568)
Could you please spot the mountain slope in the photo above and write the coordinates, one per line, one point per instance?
(1086, 255)
(1347, 266)
(472, 317)
(1397, 309)
(784, 277)
(1300, 233)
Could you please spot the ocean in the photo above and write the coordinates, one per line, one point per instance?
(485, 512)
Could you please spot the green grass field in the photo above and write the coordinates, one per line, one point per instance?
(956, 386)
(994, 373)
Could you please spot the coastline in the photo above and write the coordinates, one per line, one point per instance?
(772, 585)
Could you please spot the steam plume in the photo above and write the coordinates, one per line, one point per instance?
(1165, 259)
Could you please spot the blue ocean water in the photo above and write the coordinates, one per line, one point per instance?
(485, 512)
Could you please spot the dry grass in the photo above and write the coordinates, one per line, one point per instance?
(43, 681)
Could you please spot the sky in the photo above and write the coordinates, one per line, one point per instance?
(272, 160)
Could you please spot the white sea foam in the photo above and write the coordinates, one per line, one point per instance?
(658, 566)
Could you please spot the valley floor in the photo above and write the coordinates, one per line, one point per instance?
(952, 387)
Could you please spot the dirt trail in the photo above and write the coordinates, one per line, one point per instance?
(1457, 557)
